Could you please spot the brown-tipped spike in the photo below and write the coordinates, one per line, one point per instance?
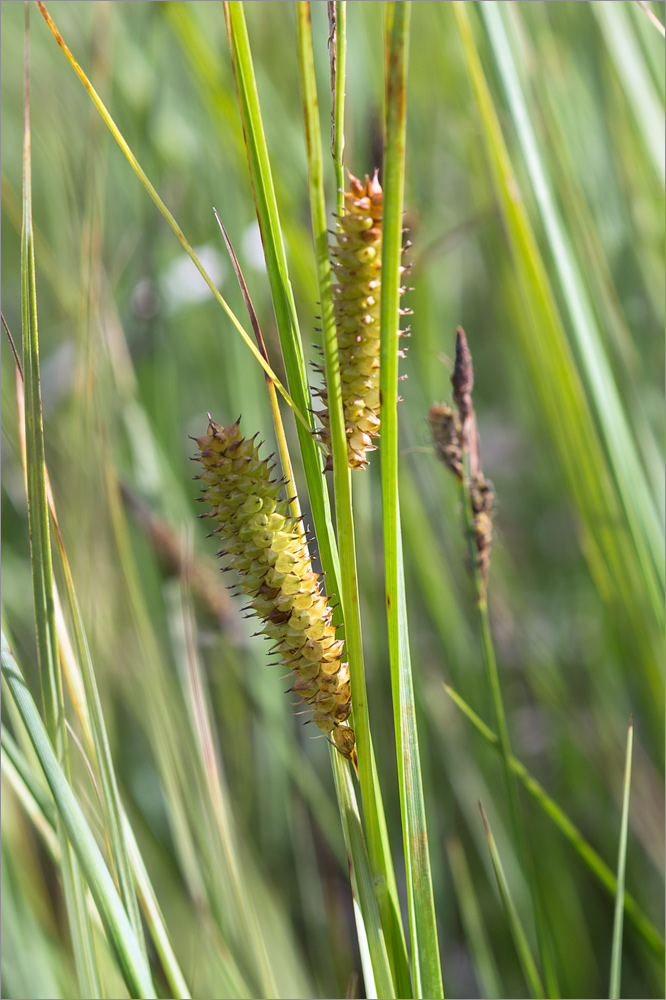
(462, 379)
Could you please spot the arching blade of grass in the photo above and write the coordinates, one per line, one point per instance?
(423, 929)
(121, 937)
(594, 862)
(642, 517)
(143, 177)
(517, 932)
(616, 955)
(608, 546)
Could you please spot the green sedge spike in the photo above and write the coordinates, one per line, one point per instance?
(356, 297)
(266, 547)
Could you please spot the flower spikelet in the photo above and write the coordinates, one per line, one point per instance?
(356, 297)
(267, 549)
(445, 428)
(482, 496)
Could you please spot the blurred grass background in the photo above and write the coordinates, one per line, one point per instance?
(134, 353)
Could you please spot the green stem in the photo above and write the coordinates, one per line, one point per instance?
(596, 865)
(338, 73)
(423, 928)
(371, 798)
(490, 660)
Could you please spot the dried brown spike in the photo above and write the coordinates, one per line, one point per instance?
(462, 379)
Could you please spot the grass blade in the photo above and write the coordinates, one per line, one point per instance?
(485, 967)
(645, 105)
(591, 858)
(641, 513)
(379, 974)
(423, 929)
(616, 955)
(182, 239)
(41, 558)
(278, 276)
(611, 554)
(371, 797)
(517, 932)
(121, 937)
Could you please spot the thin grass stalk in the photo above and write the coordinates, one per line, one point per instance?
(278, 425)
(244, 906)
(82, 685)
(485, 967)
(525, 956)
(423, 930)
(510, 785)
(182, 239)
(120, 934)
(276, 265)
(616, 953)
(583, 848)
(41, 560)
(378, 974)
(371, 797)
(202, 733)
(32, 794)
(338, 41)
(630, 65)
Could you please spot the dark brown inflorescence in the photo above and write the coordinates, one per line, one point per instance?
(446, 430)
(455, 436)
(482, 496)
(356, 296)
(266, 547)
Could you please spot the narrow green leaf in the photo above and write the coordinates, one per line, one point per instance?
(645, 522)
(616, 955)
(591, 858)
(278, 276)
(371, 797)
(337, 20)
(119, 931)
(517, 932)
(607, 543)
(485, 967)
(182, 239)
(41, 558)
(423, 928)
(376, 966)
(644, 102)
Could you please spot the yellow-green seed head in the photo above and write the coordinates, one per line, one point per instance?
(356, 296)
(267, 549)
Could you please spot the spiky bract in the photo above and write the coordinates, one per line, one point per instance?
(266, 547)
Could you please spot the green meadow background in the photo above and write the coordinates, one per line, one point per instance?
(537, 223)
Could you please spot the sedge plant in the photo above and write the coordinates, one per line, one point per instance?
(170, 826)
